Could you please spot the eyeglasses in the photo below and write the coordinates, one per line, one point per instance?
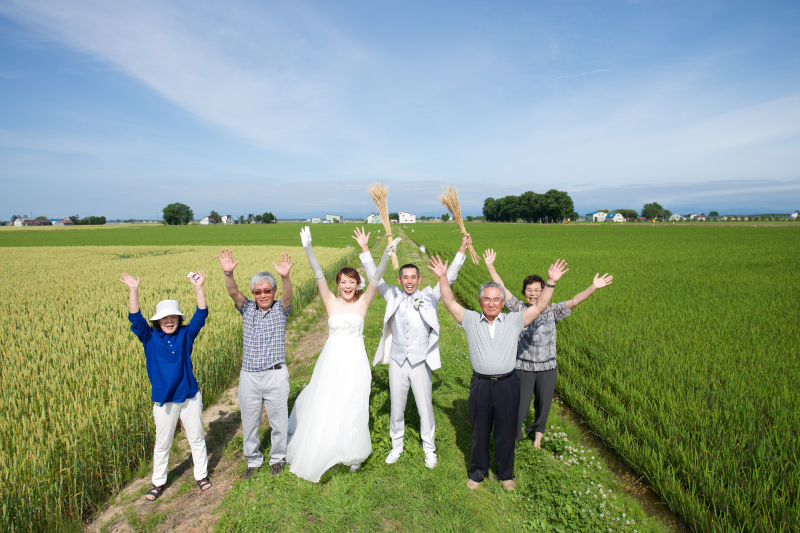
(532, 290)
(492, 300)
(267, 292)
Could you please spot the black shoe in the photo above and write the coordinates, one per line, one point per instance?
(276, 469)
(250, 472)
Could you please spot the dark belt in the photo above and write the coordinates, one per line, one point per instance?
(501, 377)
(276, 367)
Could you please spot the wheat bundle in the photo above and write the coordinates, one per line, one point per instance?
(378, 192)
(450, 200)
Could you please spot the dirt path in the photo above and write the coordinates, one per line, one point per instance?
(182, 507)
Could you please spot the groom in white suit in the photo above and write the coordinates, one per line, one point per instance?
(410, 345)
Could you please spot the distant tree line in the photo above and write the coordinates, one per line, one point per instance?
(86, 221)
(531, 207)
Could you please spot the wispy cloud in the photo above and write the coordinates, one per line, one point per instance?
(583, 73)
(10, 75)
(239, 69)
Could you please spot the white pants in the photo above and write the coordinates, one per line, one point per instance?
(166, 416)
(418, 378)
(257, 390)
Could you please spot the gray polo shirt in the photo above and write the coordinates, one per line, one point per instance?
(487, 355)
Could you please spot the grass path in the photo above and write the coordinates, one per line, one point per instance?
(551, 494)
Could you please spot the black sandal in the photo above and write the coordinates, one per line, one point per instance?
(204, 484)
(155, 492)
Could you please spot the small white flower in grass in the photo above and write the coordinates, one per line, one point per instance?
(604, 496)
(623, 515)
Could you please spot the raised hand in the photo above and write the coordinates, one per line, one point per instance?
(392, 247)
(361, 237)
(466, 240)
(285, 267)
(488, 257)
(132, 283)
(198, 282)
(227, 261)
(602, 281)
(557, 270)
(438, 268)
(305, 237)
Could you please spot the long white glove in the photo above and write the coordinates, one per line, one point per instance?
(305, 238)
(387, 254)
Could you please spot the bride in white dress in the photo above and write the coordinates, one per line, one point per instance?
(330, 420)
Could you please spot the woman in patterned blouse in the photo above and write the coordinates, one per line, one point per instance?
(536, 351)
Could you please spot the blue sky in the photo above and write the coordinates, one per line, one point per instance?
(119, 108)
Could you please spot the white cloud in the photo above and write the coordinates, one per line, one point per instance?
(236, 68)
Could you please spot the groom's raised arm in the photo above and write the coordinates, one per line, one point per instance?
(455, 267)
(362, 238)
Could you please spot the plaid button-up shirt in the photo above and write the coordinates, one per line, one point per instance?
(264, 336)
(536, 350)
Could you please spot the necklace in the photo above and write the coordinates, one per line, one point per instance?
(343, 302)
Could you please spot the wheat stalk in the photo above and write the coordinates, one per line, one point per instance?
(378, 192)
(450, 200)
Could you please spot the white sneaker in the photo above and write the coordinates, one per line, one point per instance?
(394, 455)
(353, 468)
(430, 459)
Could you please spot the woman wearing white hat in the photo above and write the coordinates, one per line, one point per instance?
(167, 349)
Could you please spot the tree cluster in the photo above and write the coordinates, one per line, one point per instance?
(655, 211)
(531, 207)
(87, 221)
(177, 214)
(629, 214)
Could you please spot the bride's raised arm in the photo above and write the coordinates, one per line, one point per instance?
(324, 292)
(375, 280)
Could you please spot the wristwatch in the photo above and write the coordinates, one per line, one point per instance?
(547, 284)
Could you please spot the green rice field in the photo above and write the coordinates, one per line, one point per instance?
(687, 365)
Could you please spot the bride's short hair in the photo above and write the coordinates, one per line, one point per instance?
(351, 273)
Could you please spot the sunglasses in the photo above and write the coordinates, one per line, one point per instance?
(258, 292)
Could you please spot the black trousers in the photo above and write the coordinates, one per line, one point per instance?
(493, 407)
(539, 386)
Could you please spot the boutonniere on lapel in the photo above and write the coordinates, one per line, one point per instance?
(417, 302)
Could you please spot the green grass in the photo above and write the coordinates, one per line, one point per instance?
(407, 496)
(328, 235)
(687, 365)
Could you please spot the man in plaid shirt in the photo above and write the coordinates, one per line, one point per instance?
(264, 378)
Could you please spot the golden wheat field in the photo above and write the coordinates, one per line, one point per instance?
(75, 412)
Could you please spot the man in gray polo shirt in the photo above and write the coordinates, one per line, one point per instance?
(494, 388)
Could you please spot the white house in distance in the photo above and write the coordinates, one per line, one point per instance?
(63, 222)
(24, 222)
(205, 221)
(333, 218)
(597, 216)
(227, 219)
(407, 218)
(614, 217)
(316, 220)
(374, 219)
(677, 217)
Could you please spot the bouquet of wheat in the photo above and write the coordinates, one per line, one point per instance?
(450, 201)
(378, 192)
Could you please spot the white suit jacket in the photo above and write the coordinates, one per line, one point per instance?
(427, 309)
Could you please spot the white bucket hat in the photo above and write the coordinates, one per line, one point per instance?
(166, 308)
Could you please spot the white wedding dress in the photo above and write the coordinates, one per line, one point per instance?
(330, 420)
